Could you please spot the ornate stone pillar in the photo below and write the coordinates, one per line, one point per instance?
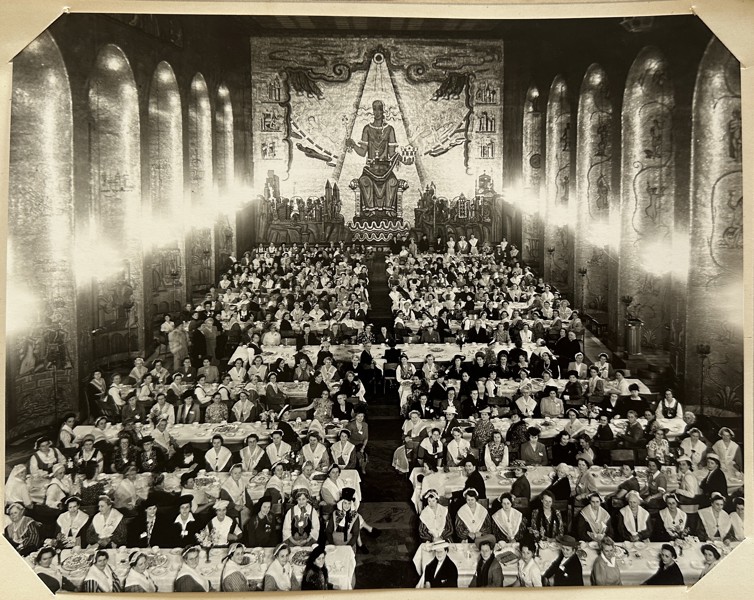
(529, 205)
(714, 318)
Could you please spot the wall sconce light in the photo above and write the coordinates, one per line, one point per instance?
(582, 272)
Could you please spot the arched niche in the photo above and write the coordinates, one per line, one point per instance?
(225, 230)
(116, 212)
(166, 243)
(714, 318)
(647, 196)
(559, 206)
(594, 192)
(531, 169)
(203, 212)
(42, 329)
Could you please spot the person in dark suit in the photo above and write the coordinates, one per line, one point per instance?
(668, 573)
(451, 421)
(307, 338)
(438, 391)
(566, 568)
(392, 354)
(489, 572)
(714, 481)
(440, 572)
(149, 529)
(478, 333)
(182, 532)
(612, 406)
(474, 480)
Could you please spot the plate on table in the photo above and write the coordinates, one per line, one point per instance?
(437, 349)
(299, 558)
(640, 545)
(157, 560)
(159, 571)
(216, 551)
(76, 562)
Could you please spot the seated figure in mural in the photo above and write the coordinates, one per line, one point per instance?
(378, 184)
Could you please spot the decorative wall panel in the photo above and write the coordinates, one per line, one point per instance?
(532, 171)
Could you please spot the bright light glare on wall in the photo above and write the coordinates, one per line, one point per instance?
(95, 259)
(661, 258)
(604, 235)
(22, 309)
(524, 199)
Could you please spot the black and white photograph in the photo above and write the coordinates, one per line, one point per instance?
(320, 302)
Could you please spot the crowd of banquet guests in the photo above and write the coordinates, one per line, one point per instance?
(102, 493)
(468, 288)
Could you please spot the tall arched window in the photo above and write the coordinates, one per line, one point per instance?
(532, 167)
(225, 175)
(41, 312)
(647, 195)
(166, 279)
(200, 171)
(714, 332)
(594, 191)
(115, 234)
(559, 206)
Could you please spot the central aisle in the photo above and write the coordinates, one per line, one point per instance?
(386, 492)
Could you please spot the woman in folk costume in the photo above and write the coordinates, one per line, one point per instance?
(88, 453)
(264, 528)
(22, 532)
(736, 532)
(126, 496)
(59, 487)
(669, 408)
(246, 409)
(508, 523)
(218, 457)
(277, 449)
(303, 483)
(66, 436)
(275, 488)
(49, 574)
(232, 578)
(431, 451)
(279, 575)
(671, 520)
(434, 520)
(138, 579)
(331, 490)
(458, 448)
(546, 521)
(593, 522)
(301, 523)
(634, 522)
(728, 451)
(344, 526)
(107, 529)
(473, 522)
(253, 458)
(403, 375)
(233, 490)
(16, 488)
(688, 485)
(100, 578)
(315, 452)
(223, 528)
(188, 578)
(70, 524)
(714, 522)
(343, 451)
(414, 431)
(496, 452)
(45, 457)
(274, 396)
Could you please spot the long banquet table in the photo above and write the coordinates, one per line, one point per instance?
(340, 560)
(539, 477)
(636, 563)
(210, 483)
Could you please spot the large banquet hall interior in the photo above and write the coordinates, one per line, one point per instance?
(344, 302)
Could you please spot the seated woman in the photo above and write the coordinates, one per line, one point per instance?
(414, 431)
(671, 521)
(508, 523)
(634, 522)
(551, 406)
(630, 483)
(275, 398)
(315, 452)
(100, 578)
(605, 570)
(342, 409)
(574, 426)
(301, 522)
(431, 451)
(107, 528)
(217, 411)
(22, 532)
(123, 455)
(586, 483)
(563, 449)
(731, 458)
(233, 491)
(434, 520)
(457, 449)
(275, 488)
(232, 579)
(658, 447)
(693, 447)
(263, 529)
(546, 522)
(49, 573)
(473, 523)
(45, 457)
(655, 486)
(218, 458)
(714, 522)
(560, 486)
(496, 452)
(736, 533)
(60, 486)
(533, 452)
(344, 526)
(138, 578)
(162, 409)
(593, 522)
(343, 451)
(279, 575)
(188, 578)
(247, 408)
(189, 412)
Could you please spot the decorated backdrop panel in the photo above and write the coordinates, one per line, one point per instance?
(312, 95)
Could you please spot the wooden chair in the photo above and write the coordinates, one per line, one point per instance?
(622, 456)
(389, 379)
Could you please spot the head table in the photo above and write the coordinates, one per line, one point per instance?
(539, 478)
(637, 562)
(340, 560)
